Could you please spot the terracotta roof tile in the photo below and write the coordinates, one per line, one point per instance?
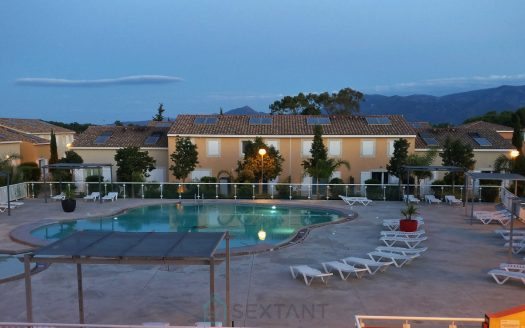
(29, 125)
(10, 135)
(465, 134)
(288, 125)
(122, 136)
(486, 125)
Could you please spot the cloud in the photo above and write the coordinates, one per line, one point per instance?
(221, 96)
(126, 80)
(467, 81)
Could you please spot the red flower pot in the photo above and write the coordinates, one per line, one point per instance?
(407, 225)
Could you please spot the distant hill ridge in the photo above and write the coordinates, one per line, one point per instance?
(454, 108)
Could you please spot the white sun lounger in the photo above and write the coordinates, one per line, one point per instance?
(452, 200)
(352, 200)
(393, 224)
(401, 250)
(112, 196)
(60, 196)
(408, 241)
(3, 208)
(517, 246)
(398, 259)
(309, 273)
(491, 212)
(431, 199)
(501, 276)
(411, 199)
(13, 204)
(93, 196)
(503, 219)
(413, 234)
(344, 270)
(512, 267)
(506, 232)
(370, 265)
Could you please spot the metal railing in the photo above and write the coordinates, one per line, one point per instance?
(405, 321)
(207, 190)
(16, 191)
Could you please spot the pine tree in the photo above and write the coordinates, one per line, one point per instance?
(159, 117)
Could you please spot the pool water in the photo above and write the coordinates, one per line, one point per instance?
(244, 222)
(11, 266)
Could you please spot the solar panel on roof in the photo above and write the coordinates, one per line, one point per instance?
(103, 137)
(261, 120)
(482, 141)
(431, 141)
(381, 120)
(153, 138)
(205, 120)
(318, 120)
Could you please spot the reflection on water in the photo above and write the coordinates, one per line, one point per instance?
(242, 221)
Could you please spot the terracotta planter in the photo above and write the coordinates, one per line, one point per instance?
(407, 225)
(69, 205)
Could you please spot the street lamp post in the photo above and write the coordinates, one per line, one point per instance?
(513, 155)
(262, 152)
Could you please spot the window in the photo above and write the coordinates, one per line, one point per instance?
(153, 138)
(213, 147)
(334, 148)
(318, 120)
(482, 141)
(244, 144)
(206, 120)
(335, 174)
(390, 148)
(368, 148)
(273, 143)
(429, 139)
(307, 145)
(261, 121)
(103, 137)
(197, 174)
(380, 120)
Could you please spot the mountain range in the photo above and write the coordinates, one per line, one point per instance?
(454, 108)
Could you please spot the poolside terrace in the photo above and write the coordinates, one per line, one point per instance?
(450, 279)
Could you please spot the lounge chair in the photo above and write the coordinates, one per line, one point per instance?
(517, 246)
(309, 274)
(452, 200)
(93, 196)
(370, 265)
(408, 241)
(3, 208)
(60, 196)
(512, 267)
(413, 234)
(112, 196)
(344, 270)
(431, 199)
(505, 233)
(411, 199)
(398, 259)
(501, 276)
(352, 200)
(13, 204)
(487, 218)
(401, 250)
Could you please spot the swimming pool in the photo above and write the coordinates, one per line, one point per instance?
(11, 267)
(248, 225)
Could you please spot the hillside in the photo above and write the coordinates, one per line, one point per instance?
(453, 108)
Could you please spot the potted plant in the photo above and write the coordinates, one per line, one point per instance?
(69, 203)
(407, 224)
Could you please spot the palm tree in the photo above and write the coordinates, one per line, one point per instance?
(323, 169)
(503, 163)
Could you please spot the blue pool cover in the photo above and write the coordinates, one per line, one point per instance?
(129, 245)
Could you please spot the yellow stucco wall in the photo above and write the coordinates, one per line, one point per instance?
(107, 156)
(27, 151)
(63, 139)
(291, 148)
